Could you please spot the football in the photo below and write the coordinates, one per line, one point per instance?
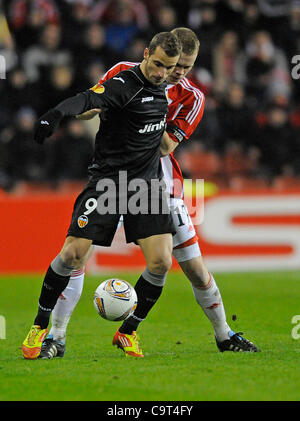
(115, 299)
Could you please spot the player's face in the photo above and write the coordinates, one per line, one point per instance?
(158, 66)
(183, 66)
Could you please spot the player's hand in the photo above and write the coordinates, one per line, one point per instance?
(88, 115)
(46, 125)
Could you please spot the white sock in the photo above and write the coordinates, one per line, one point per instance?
(65, 306)
(210, 300)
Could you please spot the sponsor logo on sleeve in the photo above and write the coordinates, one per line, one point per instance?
(98, 89)
(120, 79)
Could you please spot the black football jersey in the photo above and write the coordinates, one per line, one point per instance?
(132, 122)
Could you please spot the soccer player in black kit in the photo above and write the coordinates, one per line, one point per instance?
(133, 109)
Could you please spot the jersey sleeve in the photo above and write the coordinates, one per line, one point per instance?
(184, 124)
(116, 91)
(113, 71)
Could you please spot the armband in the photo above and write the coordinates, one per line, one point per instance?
(177, 132)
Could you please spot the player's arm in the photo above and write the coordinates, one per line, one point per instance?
(111, 95)
(88, 115)
(167, 145)
(184, 124)
(48, 123)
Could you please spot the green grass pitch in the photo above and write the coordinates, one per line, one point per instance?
(181, 360)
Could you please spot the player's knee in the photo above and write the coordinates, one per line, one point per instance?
(72, 257)
(68, 258)
(160, 263)
(75, 252)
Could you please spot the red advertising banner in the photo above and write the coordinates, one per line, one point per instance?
(239, 231)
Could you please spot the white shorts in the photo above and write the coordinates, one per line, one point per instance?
(185, 241)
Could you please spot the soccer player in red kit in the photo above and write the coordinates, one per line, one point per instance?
(185, 111)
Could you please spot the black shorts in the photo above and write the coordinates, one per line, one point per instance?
(88, 223)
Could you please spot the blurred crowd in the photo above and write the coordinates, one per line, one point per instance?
(251, 124)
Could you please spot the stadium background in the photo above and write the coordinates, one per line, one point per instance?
(246, 147)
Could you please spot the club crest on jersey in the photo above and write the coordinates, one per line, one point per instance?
(98, 89)
(82, 221)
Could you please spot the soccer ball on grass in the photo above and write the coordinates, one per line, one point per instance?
(115, 299)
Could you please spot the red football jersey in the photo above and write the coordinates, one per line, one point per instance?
(186, 106)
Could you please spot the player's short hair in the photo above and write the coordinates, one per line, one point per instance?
(168, 42)
(188, 39)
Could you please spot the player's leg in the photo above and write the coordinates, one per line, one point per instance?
(187, 253)
(206, 292)
(68, 300)
(153, 233)
(72, 256)
(208, 296)
(157, 251)
(55, 343)
(65, 305)
(86, 227)
(63, 310)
